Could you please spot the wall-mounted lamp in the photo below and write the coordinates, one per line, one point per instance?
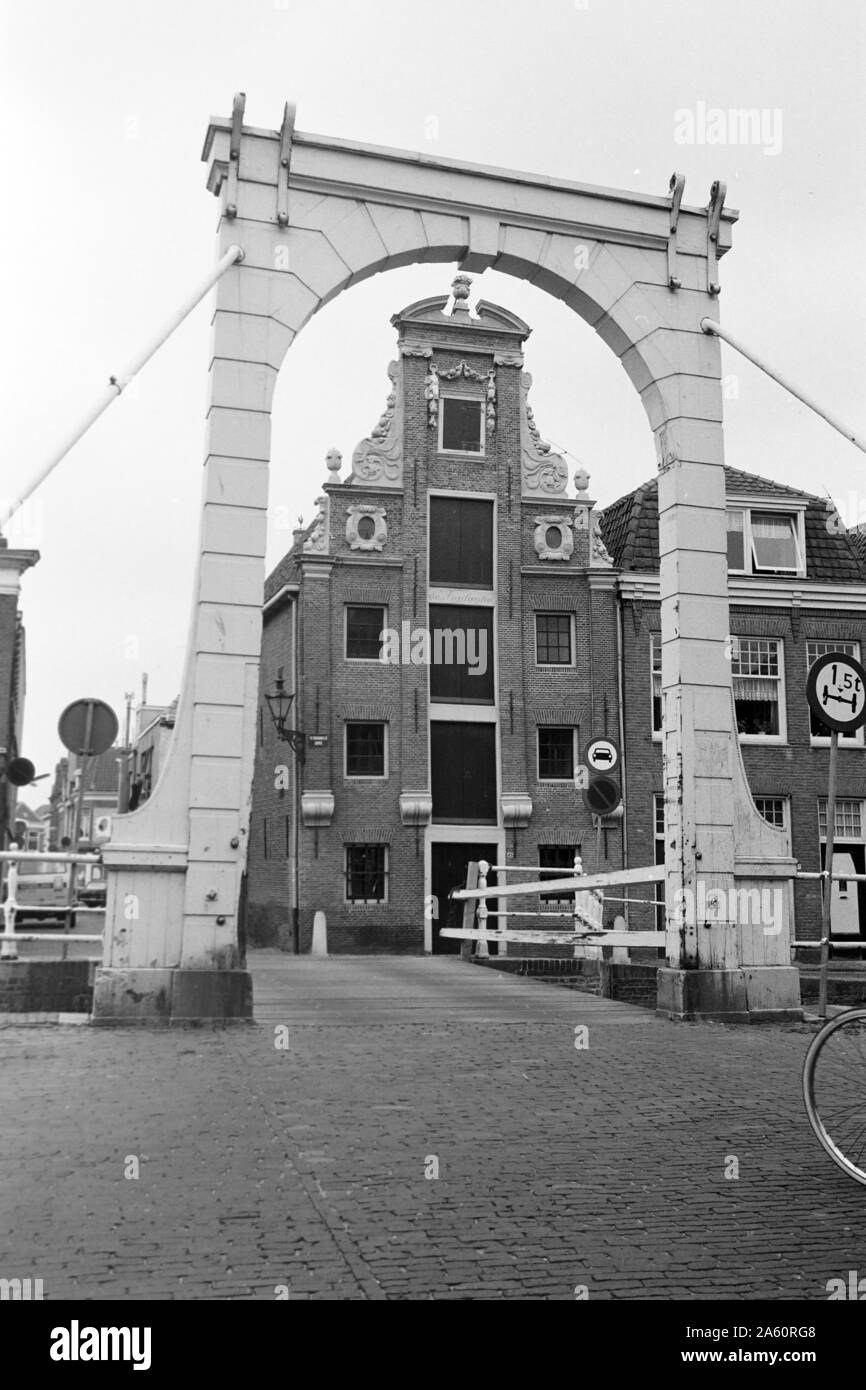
(280, 703)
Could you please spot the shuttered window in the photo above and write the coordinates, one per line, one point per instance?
(463, 772)
(461, 542)
(461, 654)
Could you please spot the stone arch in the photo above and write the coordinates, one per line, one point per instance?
(315, 216)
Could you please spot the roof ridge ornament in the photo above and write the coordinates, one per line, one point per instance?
(460, 288)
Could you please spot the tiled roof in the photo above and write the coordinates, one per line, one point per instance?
(286, 571)
(101, 773)
(858, 540)
(630, 528)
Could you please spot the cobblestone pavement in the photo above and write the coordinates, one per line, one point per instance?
(304, 1167)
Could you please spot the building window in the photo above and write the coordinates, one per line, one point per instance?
(553, 645)
(656, 679)
(559, 857)
(765, 542)
(365, 624)
(759, 695)
(461, 425)
(365, 749)
(818, 732)
(773, 809)
(659, 845)
(461, 654)
(556, 757)
(463, 772)
(849, 819)
(461, 542)
(366, 873)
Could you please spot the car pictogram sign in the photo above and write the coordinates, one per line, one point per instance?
(602, 755)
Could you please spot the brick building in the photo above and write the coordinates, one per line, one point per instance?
(448, 625)
(13, 564)
(797, 589)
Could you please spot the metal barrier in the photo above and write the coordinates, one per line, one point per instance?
(9, 938)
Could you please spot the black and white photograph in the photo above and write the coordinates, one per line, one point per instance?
(432, 690)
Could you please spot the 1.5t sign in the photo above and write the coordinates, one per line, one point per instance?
(836, 691)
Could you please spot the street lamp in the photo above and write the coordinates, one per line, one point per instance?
(280, 704)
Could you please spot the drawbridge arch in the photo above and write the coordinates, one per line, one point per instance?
(315, 215)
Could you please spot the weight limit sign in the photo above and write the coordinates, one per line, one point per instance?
(836, 691)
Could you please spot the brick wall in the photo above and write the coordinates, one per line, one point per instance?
(793, 769)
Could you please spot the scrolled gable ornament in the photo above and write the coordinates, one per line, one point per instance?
(379, 457)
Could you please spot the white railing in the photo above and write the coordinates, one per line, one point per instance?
(585, 913)
(9, 938)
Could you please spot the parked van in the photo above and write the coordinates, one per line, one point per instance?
(41, 891)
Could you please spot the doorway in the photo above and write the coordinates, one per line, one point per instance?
(448, 865)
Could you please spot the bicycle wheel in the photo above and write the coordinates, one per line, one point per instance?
(834, 1090)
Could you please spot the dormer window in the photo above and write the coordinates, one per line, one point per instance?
(461, 425)
(765, 542)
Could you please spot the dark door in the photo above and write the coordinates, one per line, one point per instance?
(449, 864)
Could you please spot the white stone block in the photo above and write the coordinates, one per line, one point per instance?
(234, 530)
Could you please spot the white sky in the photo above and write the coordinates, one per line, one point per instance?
(108, 225)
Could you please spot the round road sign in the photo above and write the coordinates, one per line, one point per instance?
(88, 727)
(836, 691)
(602, 796)
(602, 755)
(20, 772)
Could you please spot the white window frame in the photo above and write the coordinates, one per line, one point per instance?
(353, 777)
(843, 839)
(462, 453)
(556, 665)
(782, 735)
(786, 808)
(366, 902)
(796, 514)
(655, 644)
(363, 660)
(555, 781)
(854, 740)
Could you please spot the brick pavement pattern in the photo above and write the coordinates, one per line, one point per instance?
(264, 1169)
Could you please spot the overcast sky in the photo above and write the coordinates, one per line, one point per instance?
(109, 225)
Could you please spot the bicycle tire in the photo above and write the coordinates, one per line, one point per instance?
(813, 1109)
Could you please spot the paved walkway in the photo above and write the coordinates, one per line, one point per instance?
(304, 1167)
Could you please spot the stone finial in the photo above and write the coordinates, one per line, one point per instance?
(334, 461)
(460, 287)
(581, 479)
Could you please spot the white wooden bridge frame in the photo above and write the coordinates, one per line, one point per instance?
(313, 216)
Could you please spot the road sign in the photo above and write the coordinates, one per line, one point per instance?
(836, 691)
(88, 727)
(602, 795)
(602, 755)
(20, 772)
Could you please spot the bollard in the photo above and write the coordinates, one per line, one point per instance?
(320, 935)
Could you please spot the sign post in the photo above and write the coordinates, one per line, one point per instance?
(836, 692)
(86, 728)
